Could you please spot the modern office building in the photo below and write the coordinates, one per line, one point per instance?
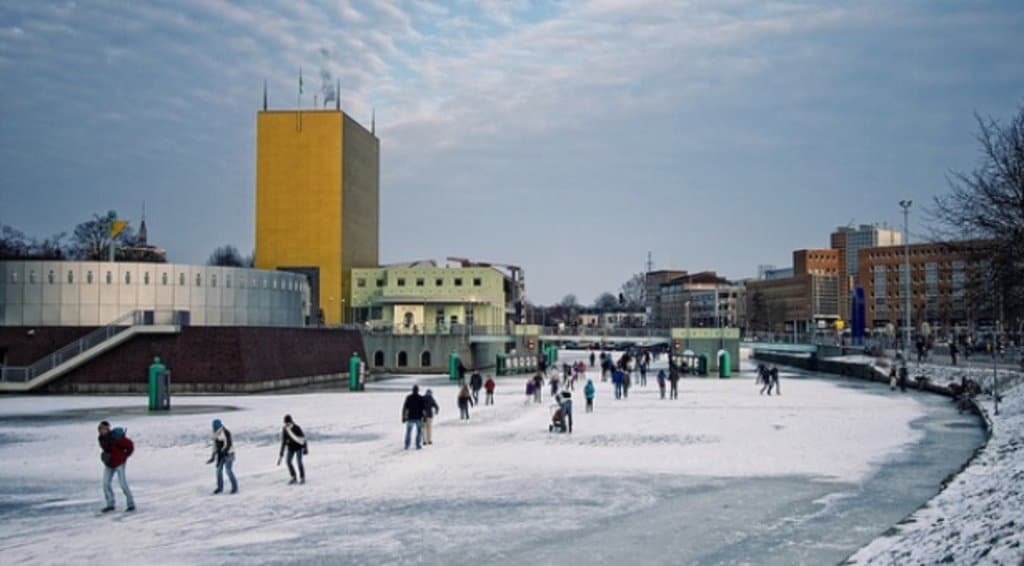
(653, 280)
(848, 241)
(702, 299)
(941, 281)
(803, 302)
(317, 201)
(422, 298)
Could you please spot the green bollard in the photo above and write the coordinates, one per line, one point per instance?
(354, 364)
(453, 366)
(155, 369)
(499, 364)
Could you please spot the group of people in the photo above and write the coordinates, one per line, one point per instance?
(116, 448)
(768, 379)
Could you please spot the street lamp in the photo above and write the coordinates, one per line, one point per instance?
(905, 204)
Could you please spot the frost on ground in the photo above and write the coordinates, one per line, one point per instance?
(979, 517)
(487, 488)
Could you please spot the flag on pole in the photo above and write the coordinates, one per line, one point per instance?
(300, 80)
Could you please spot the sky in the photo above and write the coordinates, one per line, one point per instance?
(571, 138)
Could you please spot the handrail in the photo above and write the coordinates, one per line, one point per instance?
(24, 374)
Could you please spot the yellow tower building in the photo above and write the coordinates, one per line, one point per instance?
(317, 201)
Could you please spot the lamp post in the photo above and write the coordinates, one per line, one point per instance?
(686, 307)
(905, 204)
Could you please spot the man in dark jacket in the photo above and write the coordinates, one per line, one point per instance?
(294, 441)
(224, 454)
(476, 381)
(116, 449)
(412, 416)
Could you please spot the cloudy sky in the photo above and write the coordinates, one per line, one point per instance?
(567, 137)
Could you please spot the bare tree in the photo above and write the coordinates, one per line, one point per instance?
(227, 256)
(606, 302)
(634, 292)
(985, 209)
(91, 239)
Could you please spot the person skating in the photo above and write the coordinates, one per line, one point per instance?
(953, 351)
(538, 387)
(661, 383)
(489, 390)
(673, 380)
(465, 400)
(774, 376)
(116, 449)
(224, 455)
(565, 402)
(903, 378)
(627, 380)
(430, 410)
(766, 379)
(476, 381)
(412, 416)
(294, 441)
(617, 376)
(553, 382)
(643, 373)
(589, 391)
(592, 358)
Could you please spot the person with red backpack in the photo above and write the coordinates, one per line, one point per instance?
(117, 448)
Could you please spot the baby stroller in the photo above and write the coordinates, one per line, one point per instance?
(557, 419)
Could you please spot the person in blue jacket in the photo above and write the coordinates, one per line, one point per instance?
(589, 391)
(617, 377)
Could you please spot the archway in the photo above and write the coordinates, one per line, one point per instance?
(425, 359)
(378, 359)
(403, 359)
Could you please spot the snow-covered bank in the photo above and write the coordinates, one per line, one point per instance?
(979, 517)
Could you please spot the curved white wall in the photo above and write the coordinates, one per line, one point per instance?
(87, 293)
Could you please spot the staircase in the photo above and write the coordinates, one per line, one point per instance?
(97, 342)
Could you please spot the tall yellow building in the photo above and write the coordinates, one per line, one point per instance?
(317, 201)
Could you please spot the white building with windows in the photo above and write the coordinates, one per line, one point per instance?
(85, 293)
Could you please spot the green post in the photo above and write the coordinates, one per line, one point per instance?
(453, 366)
(155, 369)
(702, 365)
(499, 364)
(354, 364)
(724, 365)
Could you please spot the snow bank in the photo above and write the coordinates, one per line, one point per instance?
(979, 517)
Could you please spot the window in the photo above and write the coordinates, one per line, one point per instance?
(110, 278)
(71, 277)
(199, 279)
(213, 280)
(458, 282)
(419, 281)
(425, 359)
(32, 277)
(403, 359)
(163, 279)
(380, 283)
(145, 278)
(477, 282)
(227, 281)
(88, 277)
(361, 282)
(50, 277)
(181, 279)
(14, 277)
(401, 281)
(438, 282)
(127, 277)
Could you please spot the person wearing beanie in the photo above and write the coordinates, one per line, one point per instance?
(224, 454)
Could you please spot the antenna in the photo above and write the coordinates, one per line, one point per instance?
(373, 122)
(650, 263)
(337, 96)
(264, 96)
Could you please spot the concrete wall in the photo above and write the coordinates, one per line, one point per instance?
(86, 293)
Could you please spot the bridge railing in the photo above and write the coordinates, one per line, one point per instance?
(643, 332)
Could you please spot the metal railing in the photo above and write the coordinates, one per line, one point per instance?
(443, 330)
(24, 374)
(616, 332)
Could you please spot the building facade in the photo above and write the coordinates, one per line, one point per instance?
(87, 293)
(653, 281)
(848, 241)
(424, 298)
(700, 300)
(941, 278)
(317, 201)
(803, 302)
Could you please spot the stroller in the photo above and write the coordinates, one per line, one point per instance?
(557, 419)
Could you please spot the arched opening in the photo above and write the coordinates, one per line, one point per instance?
(378, 359)
(403, 359)
(425, 359)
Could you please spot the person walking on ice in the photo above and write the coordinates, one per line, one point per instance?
(430, 409)
(413, 411)
(294, 441)
(465, 400)
(117, 448)
(489, 389)
(589, 391)
(476, 381)
(224, 454)
(661, 382)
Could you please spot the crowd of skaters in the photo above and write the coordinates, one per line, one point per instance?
(419, 412)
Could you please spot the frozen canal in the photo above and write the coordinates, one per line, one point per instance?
(722, 475)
